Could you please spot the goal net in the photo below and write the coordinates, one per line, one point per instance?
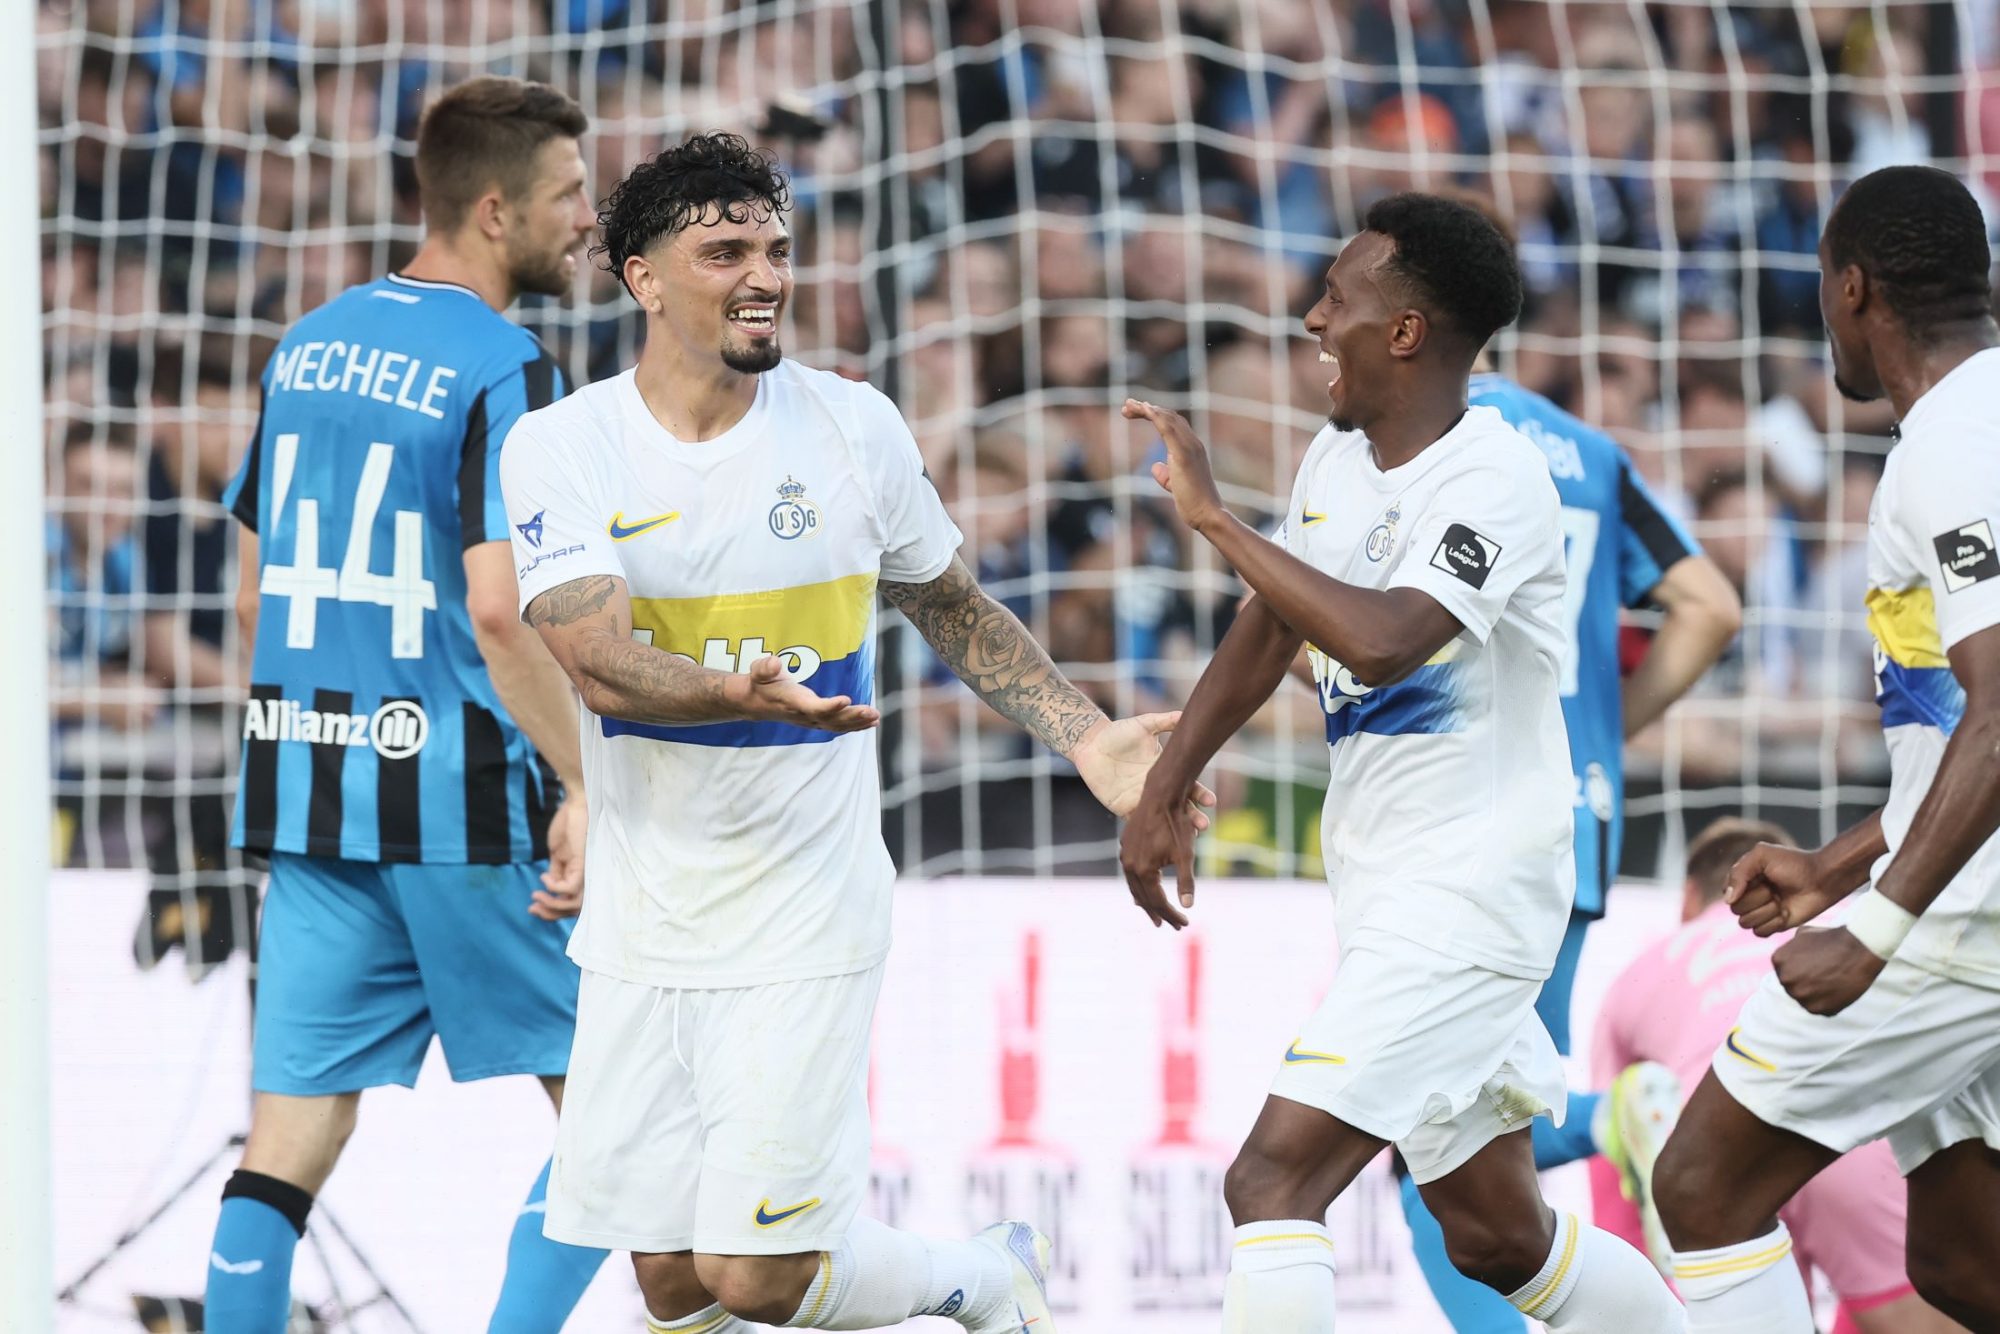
(1011, 215)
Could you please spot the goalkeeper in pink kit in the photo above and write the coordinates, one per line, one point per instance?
(1674, 1005)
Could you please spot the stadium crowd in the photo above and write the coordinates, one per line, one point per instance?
(1011, 214)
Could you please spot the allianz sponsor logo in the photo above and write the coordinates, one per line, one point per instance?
(397, 730)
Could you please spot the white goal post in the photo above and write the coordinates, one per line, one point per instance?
(26, 1281)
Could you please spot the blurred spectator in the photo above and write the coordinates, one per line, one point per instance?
(1742, 528)
(92, 561)
(1691, 219)
(1409, 143)
(199, 896)
(202, 421)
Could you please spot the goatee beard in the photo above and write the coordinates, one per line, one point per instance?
(753, 360)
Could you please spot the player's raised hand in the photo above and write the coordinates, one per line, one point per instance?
(1186, 475)
(1157, 836)
(1773, 888)
(1114, 758)
(1826, 971)
(561, 894)
(767, 694)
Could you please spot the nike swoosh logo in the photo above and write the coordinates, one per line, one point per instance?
(619, 532)
(1293, 1056)
(1307, 518)
(1742, 1055)
(234, 1267)
(766, 1218)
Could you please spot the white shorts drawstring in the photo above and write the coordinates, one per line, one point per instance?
(677, 1033)
(653, 1010)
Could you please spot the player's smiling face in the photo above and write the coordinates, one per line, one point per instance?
(1352, 320)
(725, 286)
(552, 222)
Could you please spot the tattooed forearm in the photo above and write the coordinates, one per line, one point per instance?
(569, 603)
(618, 677)
(992, 652)
(586, 624)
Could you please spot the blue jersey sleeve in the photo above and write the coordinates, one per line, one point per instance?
(482, 511)
(1650, 539)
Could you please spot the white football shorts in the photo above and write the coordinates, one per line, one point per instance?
(1438, 1056)
(1916, 1060)
(728, 1121)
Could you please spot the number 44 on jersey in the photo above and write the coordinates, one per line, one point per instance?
(404, 590)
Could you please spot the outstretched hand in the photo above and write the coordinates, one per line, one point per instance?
(1186, 475)
(766, 693)
(1114, 758)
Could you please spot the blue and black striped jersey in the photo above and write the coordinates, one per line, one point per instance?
(1618, 543)
(372, 731)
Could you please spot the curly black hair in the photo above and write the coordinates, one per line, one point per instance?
(1459, 265)
(1918, 234)
(679, 186)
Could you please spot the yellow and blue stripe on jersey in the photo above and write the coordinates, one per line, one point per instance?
(1426, 702)
(822, 631)
(1913, 680)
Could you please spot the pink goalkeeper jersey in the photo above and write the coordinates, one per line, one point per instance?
(1675, 1004)
(1677, 1001)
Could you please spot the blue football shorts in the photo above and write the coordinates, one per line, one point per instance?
(361, 963)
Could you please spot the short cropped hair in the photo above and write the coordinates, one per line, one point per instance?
(680, 186)
(1918, 234)
(1458, 264)
(1721, 845)
(486, 132)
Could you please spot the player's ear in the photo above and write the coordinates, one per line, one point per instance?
(1407, 331)
(643, 280)
(489, 214)
(1855, 289)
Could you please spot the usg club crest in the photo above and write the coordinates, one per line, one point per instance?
(1382, 538)
(794, 516)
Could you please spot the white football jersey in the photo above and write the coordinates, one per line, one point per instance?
(1933, 579)
(1448, 810)
(732, 853)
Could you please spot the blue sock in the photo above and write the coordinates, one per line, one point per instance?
(545, 1279)
(1471, 1307)
(1570, 1142)
(250, 1261)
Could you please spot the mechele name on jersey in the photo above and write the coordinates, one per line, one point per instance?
(397, 730)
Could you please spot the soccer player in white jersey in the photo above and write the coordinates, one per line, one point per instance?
(700, 541)
(1421, 561)
(1887, 1025)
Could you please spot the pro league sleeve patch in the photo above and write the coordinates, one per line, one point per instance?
(1967, 555)
(1468, 556)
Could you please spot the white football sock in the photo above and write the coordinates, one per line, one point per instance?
(1593, 1283)
(1753, 1287)
(708, 1320)
(880, 1276)
(1280, 1279)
